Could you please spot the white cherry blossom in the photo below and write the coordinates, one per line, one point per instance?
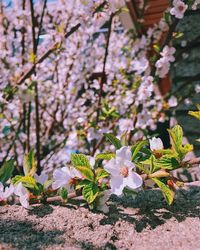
(172, 102)
(23, 195)
(179, 8)
(62, 178)
(125, 125)
(6, 192)
(121, 172)
(42, 178)
(156, 144)
(162, 67)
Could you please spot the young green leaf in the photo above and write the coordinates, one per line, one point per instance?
(176, 135)
(101, 173)
(6, 171)
(195, 114)
(114, 140)
(142, 167)
(167, 163)
(167, 192)
(81, 184)
(63, 193)
(105, 156)
(86, 172)
(80, 160)
(90, 192)
(136, 148)
(27, 181)
(29, 165)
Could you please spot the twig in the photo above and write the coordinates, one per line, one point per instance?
(52, 49)
(37, 114)
(103, 78)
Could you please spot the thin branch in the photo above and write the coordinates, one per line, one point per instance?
(46, 54)
(103, 78)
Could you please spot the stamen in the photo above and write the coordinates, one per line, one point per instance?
(124, 171)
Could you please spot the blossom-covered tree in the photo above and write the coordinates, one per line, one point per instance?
(67, 86)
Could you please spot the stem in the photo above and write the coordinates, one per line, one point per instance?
(103, 78)
(53, 199)
(37, 114)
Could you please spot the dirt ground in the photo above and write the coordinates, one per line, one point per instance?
(143, 224)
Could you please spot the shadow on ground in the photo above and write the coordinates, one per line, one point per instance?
(151, 210)
(71, 225)
(23, 235)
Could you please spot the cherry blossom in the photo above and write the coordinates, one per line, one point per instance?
(63, 178)
(6, 192)
(42, 178)
(121, 172)
(179, 9)
(23, 194)
(173, 102)
(125, 125)
(156, 144)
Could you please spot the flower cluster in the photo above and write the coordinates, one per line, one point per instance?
(123, 172)
(94, 81)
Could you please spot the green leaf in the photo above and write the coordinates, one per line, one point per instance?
(81, 184)
(80, 160)
(37, 190)
(105, 156)
(63, 193)
(16, 179)
(195, 114)
(27, 181)
(6, 171)
(167, 192)
(114, 140)
(167, 17)
(90, 192)
(167, 163)
(156, 48)
(178, 35)
(136, 148)
(101, 173)
(47, 183)
(142, 168)
(167, 152)
(176, 135)
(86, 172)
(29, 165)
(185, 149)
(161, 163)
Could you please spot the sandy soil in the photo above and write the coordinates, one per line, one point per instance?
(146, 223)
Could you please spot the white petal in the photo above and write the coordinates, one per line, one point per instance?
(156, 144)
(1, 187)
(75, 173)
(60, 175)
(112, 167)
(20, 190)
(24, 201)
(123, 154)
(129, 164)
(58, 184)
(41, 178)
(133, 180)
(117, 185)
(9, 191)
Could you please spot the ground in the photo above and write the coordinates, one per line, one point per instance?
(145, 223)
